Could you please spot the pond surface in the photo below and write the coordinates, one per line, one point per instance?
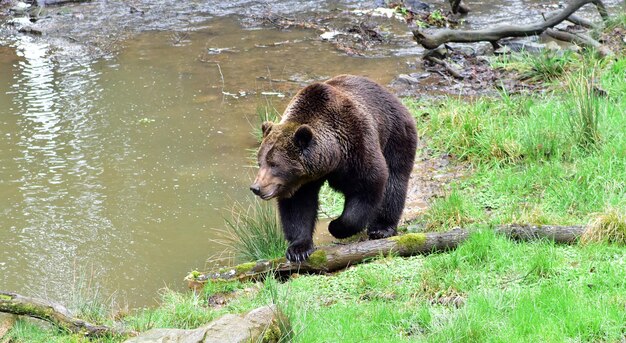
(120, 171)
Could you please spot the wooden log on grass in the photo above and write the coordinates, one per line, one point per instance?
(558, 234)
(54, 313)
(340, 256)
(432, 41)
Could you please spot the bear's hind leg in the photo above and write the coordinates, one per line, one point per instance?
(389, 213)
(298, 215)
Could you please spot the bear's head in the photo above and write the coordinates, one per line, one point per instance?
(284, 159)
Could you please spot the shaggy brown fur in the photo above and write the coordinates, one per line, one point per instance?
(354, 134)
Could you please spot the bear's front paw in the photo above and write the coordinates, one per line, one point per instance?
(299, 252)
(381, 233)
(340, 230)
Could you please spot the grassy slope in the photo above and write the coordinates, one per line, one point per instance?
(527, 167)
(528, 162)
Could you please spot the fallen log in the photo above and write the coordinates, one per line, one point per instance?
(432, 41)
(558, 234)
(54, 313)
(332, 258)
(340, 256)
(580, 40)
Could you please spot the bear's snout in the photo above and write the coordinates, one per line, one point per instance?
(256, 189)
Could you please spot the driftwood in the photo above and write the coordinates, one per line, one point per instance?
(581, 40)
(54, 313)
(450, 69)
(432, 41)
(336, 257)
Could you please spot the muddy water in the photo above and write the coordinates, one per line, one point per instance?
(121, 170)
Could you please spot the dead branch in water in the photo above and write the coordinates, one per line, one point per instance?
(54, 313)
(432, 41)
(340, 256)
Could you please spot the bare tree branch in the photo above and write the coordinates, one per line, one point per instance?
(432, 41)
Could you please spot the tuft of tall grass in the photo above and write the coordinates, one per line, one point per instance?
(585, 110)
(264, 113)
(448, 212)
(255, 233)
(177, 310)
(609, 226)
(545, 66)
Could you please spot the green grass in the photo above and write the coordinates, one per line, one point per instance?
(255, 233)
(555, 158)
(545, 66)
(331, 202)
(449, 212)
(504, 291)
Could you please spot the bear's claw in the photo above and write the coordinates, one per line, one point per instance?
(299, 252)
(382, 233)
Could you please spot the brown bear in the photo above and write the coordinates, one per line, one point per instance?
(351, 132)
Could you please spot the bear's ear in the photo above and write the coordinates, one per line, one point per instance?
(266, 127)
(303, 136)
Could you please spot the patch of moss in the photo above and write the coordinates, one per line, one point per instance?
(317, 259)
(272, 334)
(410, 241)
(5, 297)
(244, 267)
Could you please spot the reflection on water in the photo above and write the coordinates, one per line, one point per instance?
(122, 169)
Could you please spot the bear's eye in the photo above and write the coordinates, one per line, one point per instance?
(271, 164)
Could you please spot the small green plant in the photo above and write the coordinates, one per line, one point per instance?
(585, 110)
(255, 233)
(193, 275)
(436, 18)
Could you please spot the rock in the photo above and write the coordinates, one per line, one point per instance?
(518, 45)
(409, 80)
(330, 35)
(19, 7)
(6, 323)
(552, 45)
(229, 328)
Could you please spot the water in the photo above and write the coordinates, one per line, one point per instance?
(121, 170)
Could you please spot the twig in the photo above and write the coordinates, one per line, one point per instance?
(451, 70)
